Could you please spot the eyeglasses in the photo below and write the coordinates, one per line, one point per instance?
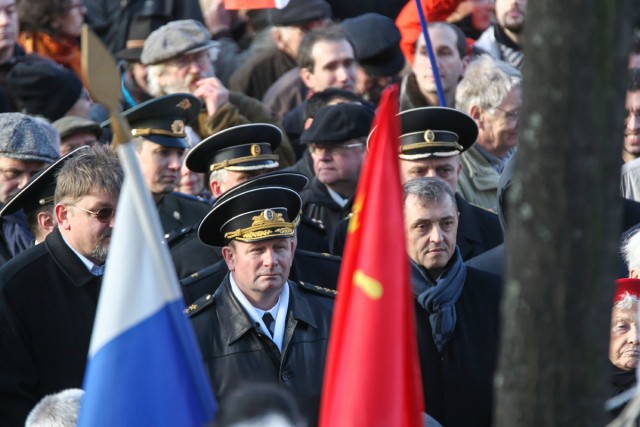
(331, 149)
(510, 115)
(103, 215)
(185, 61)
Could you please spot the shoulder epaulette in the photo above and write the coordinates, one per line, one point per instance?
(199, 304)
(318, 289)
(178, 234)
(190, 197)
(200, 274)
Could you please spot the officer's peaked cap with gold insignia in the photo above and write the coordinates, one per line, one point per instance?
(240, 148)
(40, 190)
(163, 120)
(252, 215)
(435, 132)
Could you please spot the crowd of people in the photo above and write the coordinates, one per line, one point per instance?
(251, 128)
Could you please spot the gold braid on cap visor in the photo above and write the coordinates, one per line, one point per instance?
(150, 131)
(417, 140)
(268, 223)
(232, 162)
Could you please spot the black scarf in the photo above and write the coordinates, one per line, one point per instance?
(439, 298)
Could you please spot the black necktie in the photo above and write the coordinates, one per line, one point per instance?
(269, 321)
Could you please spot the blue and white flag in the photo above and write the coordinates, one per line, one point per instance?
(145, 367)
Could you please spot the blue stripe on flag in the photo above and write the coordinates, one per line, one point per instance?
(145, 376)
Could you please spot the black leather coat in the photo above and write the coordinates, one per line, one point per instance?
(236, 352)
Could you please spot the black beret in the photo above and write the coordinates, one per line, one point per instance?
(251, 215)
(299, 12)
(40, 190)
(435, 132)
(376, 43)
(335, 124)
(163, 120)
(44, 88)
(240, 148)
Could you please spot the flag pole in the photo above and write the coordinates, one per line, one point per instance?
(432, 57)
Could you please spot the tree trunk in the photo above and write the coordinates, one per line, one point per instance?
(565, 215)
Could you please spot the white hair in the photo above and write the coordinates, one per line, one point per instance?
(630, 250)
(626, 302)
(486, 83)
(57, 410)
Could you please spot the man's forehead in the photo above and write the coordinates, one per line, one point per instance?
(419, 204)
(22, 164)
(321, 49)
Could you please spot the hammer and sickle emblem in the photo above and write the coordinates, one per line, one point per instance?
(370, 286)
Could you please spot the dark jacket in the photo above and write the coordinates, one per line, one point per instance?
(312, 268)
(235, 352)
(458, 384)
(260, 71)
(178, 210)
(48, 301)
(318, 204)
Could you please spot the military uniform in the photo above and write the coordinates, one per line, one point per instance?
(179, 210)
(238, 345)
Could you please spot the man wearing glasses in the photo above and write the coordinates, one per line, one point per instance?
(26, 147)
(336, 140)
(490, 93)
(49, 293)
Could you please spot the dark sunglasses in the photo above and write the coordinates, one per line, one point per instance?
(103, 214)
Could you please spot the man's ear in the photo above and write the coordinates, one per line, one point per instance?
(46, 221)
(229, 255)
(62, 216)
(634, 274)
(276, 34)
(476, 114)
(216, 188)
(307, 77)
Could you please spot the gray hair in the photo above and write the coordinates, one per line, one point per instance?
(486, 83)
(219, 176)
(90, 171)
(630, 250)
(429, 190)
(57, 410)
(153, 74)
(626, 302)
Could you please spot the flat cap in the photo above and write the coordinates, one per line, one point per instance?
(39, 191)
(335, 124)
(240, 148)
(435, 132)
(176, 38)
(163, 120)
(44, 88)
(71, 125)
(376, 43)
(251, 215)
(299, 12)
(24, 138)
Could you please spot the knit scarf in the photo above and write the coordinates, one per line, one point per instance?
(439, 298)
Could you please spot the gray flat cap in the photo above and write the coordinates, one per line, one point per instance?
(24, 138)
(71, 125)
(181, 37)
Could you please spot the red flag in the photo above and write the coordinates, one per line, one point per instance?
(254, 4)
(372, 376)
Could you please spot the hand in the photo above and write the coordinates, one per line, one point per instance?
(213, 93)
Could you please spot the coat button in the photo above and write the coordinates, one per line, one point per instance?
(286, 376)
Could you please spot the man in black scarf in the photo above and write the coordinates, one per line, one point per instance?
(457, 310)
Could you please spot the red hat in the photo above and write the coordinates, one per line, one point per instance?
(632, 286)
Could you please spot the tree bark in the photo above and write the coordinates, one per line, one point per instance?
(565, 215)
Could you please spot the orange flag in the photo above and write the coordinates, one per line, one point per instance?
(372, 376)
